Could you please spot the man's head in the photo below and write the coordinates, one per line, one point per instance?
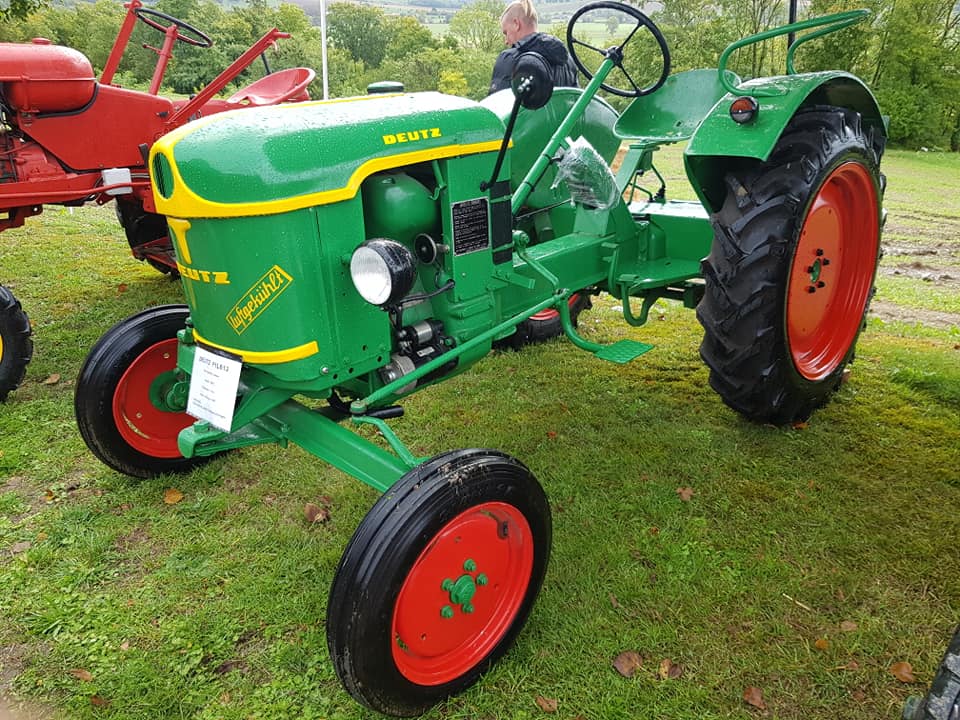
(518, 21)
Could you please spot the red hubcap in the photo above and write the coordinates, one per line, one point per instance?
(462, 594)
(832, 271)
(142, 425)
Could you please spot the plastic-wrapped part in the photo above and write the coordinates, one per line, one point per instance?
(588, 177)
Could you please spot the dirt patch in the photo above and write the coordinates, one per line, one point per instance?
(891, 312)
(11, 664)
(933, 274)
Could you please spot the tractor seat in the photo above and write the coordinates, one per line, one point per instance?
(288, 85)
(39, 77)
(673, 112)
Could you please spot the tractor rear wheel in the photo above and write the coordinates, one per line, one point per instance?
(942, 702)
(16, 347)
(130, 401)
(438, 580)
(791, 271)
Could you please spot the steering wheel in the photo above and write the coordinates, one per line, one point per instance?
(193, 37)
(616, 53)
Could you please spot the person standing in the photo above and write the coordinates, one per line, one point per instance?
(519, 26)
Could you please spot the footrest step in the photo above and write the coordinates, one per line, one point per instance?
(623, 351)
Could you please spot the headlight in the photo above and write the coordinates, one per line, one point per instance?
(382, 271)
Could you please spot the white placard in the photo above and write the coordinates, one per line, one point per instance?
(213, 387)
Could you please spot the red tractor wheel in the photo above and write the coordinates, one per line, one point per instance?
(546, 323)
(438, 580)
(130, 400)
(791, 272)
(16, 348)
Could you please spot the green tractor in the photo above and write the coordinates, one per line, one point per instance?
(352, 252)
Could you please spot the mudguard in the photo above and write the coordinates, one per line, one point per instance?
(718, 138)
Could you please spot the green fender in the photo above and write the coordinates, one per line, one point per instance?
(719, 138)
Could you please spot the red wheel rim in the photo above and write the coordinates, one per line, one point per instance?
(142, 424)
(832, 271)
(550, 313)
(462, 594)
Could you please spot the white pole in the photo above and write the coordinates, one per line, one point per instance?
(323, 46)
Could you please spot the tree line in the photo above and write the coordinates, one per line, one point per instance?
(908, 51)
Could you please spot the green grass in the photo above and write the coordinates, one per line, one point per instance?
(844, 530)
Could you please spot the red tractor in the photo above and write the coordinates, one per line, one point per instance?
(67, 138)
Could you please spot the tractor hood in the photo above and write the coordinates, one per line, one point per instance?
(288, 157)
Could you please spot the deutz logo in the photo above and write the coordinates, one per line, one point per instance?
(411, 136)
(258, 298)
(208, 276)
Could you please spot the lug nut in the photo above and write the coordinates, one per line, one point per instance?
(811, 289)
(821, 284)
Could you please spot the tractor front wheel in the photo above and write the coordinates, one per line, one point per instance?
(16, 347)
(791, 271)
(130, 399)
(438, 580)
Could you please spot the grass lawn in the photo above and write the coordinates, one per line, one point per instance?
(800, 562)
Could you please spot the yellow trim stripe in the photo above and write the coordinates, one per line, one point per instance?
(180, 228)
(183, 202)
(272, 357)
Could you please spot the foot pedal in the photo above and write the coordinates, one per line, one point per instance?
(623, 351)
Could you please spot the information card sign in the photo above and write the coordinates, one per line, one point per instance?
(213, 387)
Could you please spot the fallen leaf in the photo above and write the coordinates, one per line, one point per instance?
(548, 705)
(848, 626)
(685, 493)
(41, 536)
(801, 425)
(81, 674)
(50, 496)
(315, 513)
(122, 287)
(822, 644)
(614, 602)
(669, 670)
(551, 434)
(858, 695)
(52, 379)
(654, 530)
(21, 546)
(225, 698)
(125, 645)
(903, 672)
(98, 701)
(754, 696)
(171, 496)
(852, 665)
(627, 663)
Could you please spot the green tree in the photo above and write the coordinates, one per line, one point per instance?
(361, 31)
(408, 36)
(477, 26)
(19, 9)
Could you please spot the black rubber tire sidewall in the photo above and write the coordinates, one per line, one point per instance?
(17, 344)
(944, 691)
(743, 311)
(97, 382)
(384, 547)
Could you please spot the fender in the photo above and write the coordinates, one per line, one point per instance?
(780, 98)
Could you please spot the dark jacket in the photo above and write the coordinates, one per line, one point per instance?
(552, 50)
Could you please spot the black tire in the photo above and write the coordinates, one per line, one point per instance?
(780, 322)
(117, 419)
(942, 702)
(16, 347)
(546, 325)
(399, 636)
